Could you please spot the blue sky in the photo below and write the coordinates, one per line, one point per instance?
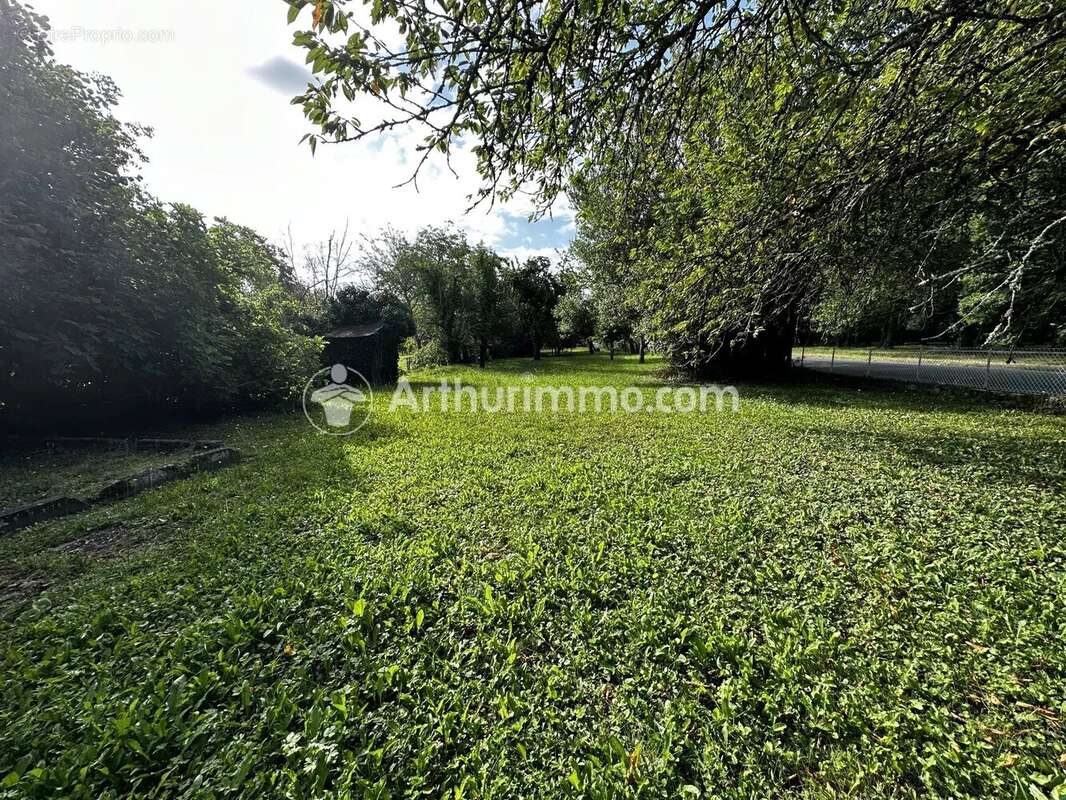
(540, 236)
(214, 80)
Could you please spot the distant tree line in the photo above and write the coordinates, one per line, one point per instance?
(460, 302)
(746, 173)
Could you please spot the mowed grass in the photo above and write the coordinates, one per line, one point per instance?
(831, 593)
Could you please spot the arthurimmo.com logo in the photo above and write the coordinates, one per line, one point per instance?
(338, 400)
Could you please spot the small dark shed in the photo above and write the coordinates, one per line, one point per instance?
(373, 349)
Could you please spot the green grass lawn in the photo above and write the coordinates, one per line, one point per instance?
(832, 593)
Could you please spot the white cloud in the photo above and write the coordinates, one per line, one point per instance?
(226, 139)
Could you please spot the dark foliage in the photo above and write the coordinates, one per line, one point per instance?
(116, 307)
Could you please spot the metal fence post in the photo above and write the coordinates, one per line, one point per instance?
(918, 366)
(833, 360)
(988, 369)
(803, 353)
(869, 358)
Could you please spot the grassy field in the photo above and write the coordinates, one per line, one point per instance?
(831, 593)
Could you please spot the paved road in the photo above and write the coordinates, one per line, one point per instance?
(1000, 378)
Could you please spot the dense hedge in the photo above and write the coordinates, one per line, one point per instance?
(115, 305)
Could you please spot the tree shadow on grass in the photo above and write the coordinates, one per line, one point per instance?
(829, 391)
(296, 479)
(990, 458)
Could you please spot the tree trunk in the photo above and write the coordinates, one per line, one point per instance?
(643, 347)
(592, 347)
(536, 348)
(453, 350)
(482, 353)
(767, 355)
(610, 349)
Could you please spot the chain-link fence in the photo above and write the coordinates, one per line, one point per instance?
(1037, 371)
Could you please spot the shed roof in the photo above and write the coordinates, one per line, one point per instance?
(355, 331)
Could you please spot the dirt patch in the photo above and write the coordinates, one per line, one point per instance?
(17, 587)
(109, 541)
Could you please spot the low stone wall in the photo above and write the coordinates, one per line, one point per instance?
(149, 478)
(12, 519)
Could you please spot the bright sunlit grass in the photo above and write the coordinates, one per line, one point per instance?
(829, 593)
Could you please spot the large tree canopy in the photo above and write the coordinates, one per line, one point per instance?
(745, 160)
